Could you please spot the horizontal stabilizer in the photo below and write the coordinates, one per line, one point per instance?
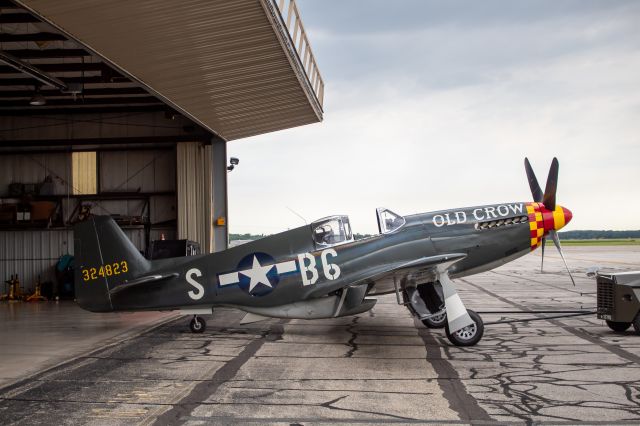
(142, 281)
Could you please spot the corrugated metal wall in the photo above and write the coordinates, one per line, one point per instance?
(35, 252)
(139, 171)
(33, 168)
(120, 171)
(30, 253)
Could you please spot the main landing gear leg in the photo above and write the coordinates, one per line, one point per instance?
(197, 324)
(426, 304)
(464, 327)
(431, 295)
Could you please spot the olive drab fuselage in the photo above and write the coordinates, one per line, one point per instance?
(291, 266)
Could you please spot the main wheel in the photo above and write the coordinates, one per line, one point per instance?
(469, 335)
(437, 321)
(636, 323)
(618, 326)
(197, 324)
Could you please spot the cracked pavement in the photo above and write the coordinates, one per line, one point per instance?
(377, 367)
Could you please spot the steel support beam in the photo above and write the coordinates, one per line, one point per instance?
(18, 143)
(16, 64)
(87, 148)
(219, 210)
(89, 109)
(66, 67)
(47, 53)
(80, 80)
(8, 4)
(116, 91)
(35, 37)
(18, 18)
(79, 102)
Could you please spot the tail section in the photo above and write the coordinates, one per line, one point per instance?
(104, 258)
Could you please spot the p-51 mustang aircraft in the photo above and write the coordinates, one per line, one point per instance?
(320, 271)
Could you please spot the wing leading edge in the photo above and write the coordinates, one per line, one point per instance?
(430, 268)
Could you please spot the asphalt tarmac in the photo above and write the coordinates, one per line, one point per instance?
(377, 367)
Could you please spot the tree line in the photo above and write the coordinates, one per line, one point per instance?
(568, 235)
(598, 235)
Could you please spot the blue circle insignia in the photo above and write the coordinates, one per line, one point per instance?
(258, 274)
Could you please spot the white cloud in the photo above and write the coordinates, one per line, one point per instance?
(452, 129)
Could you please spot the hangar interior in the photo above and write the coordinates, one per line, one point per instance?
(134, 123)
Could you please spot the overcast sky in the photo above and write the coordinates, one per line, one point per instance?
(433, 105)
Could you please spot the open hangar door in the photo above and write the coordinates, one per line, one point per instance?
(43, 195)
(137, 126)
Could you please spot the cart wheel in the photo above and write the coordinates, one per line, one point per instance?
(437, 321)
(618, 326)
(197, 324)
(636, 323)
(469, 335)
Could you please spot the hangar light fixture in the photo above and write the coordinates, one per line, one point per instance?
(37, 99)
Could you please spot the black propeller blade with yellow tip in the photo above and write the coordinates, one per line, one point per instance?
(533, 182)
(548, 199)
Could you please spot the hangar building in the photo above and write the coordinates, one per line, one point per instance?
(125, 108)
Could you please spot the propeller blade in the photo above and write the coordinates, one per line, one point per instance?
(533, 182)
(544, 240)
(556, 241)
(549, 199)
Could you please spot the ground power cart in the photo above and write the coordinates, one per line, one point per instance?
(619, 300)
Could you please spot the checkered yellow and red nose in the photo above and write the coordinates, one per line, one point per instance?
(543, 220)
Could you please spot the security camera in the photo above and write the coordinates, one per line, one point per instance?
(234, 162)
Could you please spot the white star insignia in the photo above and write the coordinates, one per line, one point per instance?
(257, 274)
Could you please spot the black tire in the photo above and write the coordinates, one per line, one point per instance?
(618, 327)
(636, 323)
(467, 336)
(438, 321)
(197, 325)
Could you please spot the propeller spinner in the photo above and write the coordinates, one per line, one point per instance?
(545, 216)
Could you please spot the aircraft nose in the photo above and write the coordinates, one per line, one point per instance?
(561, 217)
(567, 215)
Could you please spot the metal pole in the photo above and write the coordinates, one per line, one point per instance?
(219, 209)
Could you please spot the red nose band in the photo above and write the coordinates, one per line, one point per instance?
(567, 215)
(542, 220)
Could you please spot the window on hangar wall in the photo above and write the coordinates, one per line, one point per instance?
(84, 172)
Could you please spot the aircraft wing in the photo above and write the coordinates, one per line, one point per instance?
(389, 278)
(422, 269)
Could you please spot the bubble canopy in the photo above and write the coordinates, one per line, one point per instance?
(389, 221)
(332, 230)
